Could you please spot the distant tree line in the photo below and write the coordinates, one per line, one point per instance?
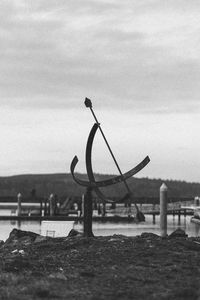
(63, 185)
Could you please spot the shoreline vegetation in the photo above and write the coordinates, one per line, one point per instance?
(112, 267)
(42, 185)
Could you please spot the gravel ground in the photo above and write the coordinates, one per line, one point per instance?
(112, 267)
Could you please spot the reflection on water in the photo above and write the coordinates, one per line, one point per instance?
(102, 229)
(131, 229)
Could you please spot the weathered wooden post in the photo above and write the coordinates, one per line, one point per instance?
(179, 217)
(154, 218)
(51, 204)
(154, 214)
(163, 210)
(19, 204)
(45, 206)
(99, 209)
(103, 209)
(87, 217)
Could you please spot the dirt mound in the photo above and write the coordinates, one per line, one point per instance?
(111, 267)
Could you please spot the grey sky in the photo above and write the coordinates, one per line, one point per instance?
(137, 60)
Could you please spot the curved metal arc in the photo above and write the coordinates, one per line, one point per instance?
(76, 179)
(106, 182)
(88, 160)
(113, 180)
(96, 184)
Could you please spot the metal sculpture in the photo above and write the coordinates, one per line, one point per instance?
(95, 185)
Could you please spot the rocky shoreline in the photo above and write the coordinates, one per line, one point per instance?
(112, 267)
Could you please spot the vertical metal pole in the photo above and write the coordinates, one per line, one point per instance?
(87, 217)
(19, 208)
(163, 210)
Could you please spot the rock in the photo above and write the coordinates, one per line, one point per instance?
(20, 236)
(14, 251)
(178, 233)
(117, 238)
(74, 232)
(41, 238)
(21, 252)
(150, 235)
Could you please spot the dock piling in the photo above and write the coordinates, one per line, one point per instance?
(163, 210)
(19, 206)
(51, 204)
(154, 218)
(179, 217)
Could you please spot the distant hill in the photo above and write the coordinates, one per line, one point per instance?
(42, 185)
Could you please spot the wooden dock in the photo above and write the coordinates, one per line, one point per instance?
(67, 218)
(115, 218)
(174, 212)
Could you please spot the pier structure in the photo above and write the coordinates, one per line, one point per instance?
(21, 208)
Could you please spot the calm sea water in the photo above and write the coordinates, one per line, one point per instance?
(62, 228)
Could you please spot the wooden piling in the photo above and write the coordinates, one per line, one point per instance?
(154, 218)
(51, 205)
(19, 204)
(163, 210)
(179, 217)
(154, 214)
(103, 209)
(41, 208)
(45, 207)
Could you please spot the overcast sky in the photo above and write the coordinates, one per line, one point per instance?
(138, 61)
